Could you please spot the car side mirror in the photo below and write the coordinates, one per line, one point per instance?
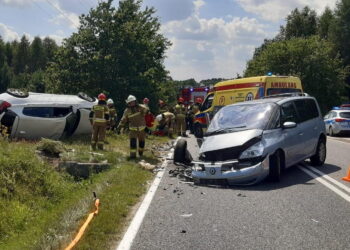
(289, 125)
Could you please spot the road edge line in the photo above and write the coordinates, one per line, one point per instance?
(327, 177)
(129, 236)
(325, 183)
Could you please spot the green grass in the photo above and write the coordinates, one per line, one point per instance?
(41, 208)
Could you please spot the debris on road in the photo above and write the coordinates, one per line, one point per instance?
(186, 215)
(241, 195)
(182, 173)
(183, 231)
(147, 166)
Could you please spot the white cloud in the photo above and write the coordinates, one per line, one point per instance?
(277, 10)
(7, 33)
(64, 17)
(207, 48)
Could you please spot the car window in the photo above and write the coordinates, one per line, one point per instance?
(307, 109)
(333, 115)
(288, 113)
(344, 114)
(207, 102)
(46, 112)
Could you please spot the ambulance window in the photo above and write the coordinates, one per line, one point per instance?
(207, 102)
(276, 91)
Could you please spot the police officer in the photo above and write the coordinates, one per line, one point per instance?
(112, 114)
(180, 117)
(166, 123)
(99, 116)
(134, 115)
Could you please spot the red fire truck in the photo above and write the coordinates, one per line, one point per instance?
(191, 93)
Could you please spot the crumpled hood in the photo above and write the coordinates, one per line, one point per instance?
(222, 141)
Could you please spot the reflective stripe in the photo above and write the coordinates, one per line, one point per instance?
(135, 114)
(181, 115)
(93, 142)
(141, 149)
(100, 120)
(133, 150)
(137, 128)
(100, 143)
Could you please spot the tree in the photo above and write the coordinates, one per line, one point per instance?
(21, 56)
(301, 24)
(312, 59)
(50, 49)
(37, 56)
(325, 23)
(118, 51)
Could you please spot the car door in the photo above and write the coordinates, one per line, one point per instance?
(291, 136)
(308, 124)
(38, 122)
(327, 121)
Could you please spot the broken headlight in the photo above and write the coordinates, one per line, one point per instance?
(252, 152)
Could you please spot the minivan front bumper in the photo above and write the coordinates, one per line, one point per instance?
(212, 172)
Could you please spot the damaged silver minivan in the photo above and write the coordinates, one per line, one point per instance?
(248, 141)
(36, 115)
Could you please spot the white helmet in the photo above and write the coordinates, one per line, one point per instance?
(131, 98)
(159, 118)
(110, 101)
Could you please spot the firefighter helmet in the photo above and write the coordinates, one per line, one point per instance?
(101, 97)
(110, 101)
(199, 100)
(181, 100)
(145, 100)
(161, 102)
(131, 98)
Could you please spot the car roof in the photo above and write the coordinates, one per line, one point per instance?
(45, 99)
(277, 100)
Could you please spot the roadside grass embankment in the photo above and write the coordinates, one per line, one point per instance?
(43, 208)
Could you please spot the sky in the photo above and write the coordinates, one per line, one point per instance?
(210, 38)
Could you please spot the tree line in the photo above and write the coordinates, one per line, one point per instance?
(314, 48)
(23, 63)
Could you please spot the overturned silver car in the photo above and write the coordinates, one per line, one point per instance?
(36, 115)
(246, 142)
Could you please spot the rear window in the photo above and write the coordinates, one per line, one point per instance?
(307, 109)
(46, 112)
(344, 114)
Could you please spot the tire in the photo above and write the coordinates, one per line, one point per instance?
(86, 97)
(180, 151)
(17, 93)
(331, 133)
(275, 167)
(319, 158)
(198, 131)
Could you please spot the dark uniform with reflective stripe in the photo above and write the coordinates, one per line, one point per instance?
(180, 119)
(112, 117)
(99, 116)
(135, 116)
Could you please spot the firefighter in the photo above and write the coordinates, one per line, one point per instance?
(180, 117)
(166, 123)
(134, 115)
(146, 102)
(163, 107)
(194, 109)
(112, 114)
(99, 116)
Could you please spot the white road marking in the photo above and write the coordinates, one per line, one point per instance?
(136, 222)
(339, 184)
(325, 183)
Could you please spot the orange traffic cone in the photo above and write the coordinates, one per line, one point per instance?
(347, 178)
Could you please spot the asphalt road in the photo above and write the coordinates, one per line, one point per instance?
(297, 213)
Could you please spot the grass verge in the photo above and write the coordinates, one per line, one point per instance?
(41, 208)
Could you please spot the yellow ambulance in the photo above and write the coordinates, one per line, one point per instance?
(239, 90)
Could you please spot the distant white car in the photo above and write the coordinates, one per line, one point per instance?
(36, 115)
